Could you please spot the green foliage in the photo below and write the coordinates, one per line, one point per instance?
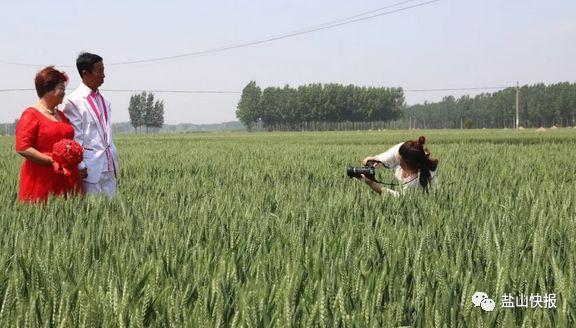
(136, 110)
(278, 236)
(249, 110)
(539, 105)
(287, 108)
(144, 111)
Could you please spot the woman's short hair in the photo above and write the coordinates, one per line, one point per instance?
(86, 61)
(47, 79)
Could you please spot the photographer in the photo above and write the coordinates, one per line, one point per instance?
(412, 164)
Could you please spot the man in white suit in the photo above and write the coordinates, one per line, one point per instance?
(89, 113)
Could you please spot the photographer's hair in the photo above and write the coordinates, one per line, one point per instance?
(47, 79)
(418, 157)
(86, 61)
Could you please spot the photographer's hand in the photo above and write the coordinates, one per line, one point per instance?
(369, 158)
(373, 185)
(375, 162)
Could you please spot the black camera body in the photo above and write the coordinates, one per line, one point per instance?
(369, 171)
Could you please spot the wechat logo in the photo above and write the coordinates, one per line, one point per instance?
(481, 299)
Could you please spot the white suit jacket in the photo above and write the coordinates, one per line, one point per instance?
(89, 133)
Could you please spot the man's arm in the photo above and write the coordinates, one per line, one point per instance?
(75, 117)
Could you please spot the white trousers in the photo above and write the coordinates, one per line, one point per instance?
(106, 185)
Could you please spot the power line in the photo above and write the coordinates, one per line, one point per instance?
(12, 90)
(141, 90)
(173, 91)
(237, 92)
(266, 40)
(27, 65)
(340, 22)
(455, 89)
(355, 16)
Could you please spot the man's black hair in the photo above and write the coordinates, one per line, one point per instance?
(86, 61)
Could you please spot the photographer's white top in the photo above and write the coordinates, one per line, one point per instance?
(391, 160)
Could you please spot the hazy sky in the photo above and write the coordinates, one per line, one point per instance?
(446, 44)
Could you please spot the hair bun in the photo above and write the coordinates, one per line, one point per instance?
(421, 140)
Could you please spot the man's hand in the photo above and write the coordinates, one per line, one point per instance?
(84, 173)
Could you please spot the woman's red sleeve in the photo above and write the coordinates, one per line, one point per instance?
(26, 131)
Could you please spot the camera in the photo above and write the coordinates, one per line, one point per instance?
(369, 171)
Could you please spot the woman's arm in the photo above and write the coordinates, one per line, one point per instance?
(372, 184)
(378, 187)
(36, 156)
(390, 158)
(378, 164)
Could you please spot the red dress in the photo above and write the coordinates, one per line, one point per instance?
(38, 181)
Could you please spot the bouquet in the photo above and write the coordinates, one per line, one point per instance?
(66, 154)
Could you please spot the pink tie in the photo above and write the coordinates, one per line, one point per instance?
(94, 95)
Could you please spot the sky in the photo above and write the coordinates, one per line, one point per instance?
(444, 44)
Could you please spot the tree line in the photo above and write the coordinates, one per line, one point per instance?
(538, 105)
(300, 108)
(146, 112)
(318, 106)
(338, 107)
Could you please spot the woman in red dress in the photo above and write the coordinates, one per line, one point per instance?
(38, 129)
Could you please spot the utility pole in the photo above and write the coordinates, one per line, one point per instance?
(517, 117)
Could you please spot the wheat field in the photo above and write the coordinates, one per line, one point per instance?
(266, 230)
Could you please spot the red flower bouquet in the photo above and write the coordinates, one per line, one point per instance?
(66, 154)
